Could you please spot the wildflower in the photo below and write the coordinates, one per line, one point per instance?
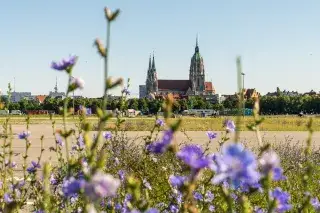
(197, 196)
(121, 174)
(65, 64)
(211, 135)
(192, 155)
(107, 135)
(208, 197)
(13, 164)
(77, 83)
(53, 181)
(177, 181)
(258, 210)
(161, 146)
(211, 208)
(236, 165)
(125, 91)
(34, 166)
(152, 210)
(159, 122)
(315, 203)
(72, 186)
(7, 198)
(80, 142)
(102, 185)
(230, 126)
(59, 141)
(39, 211)
(174, 208)
(24, 135)
(282, 200)
(270, 162)
(147, 184)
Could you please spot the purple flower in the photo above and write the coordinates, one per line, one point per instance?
(197, 196)
(39, 211)
(147, 184)
(230, 126)
(107, 135)
(80, 142)
(193, 156)
(270, 162)
(174, 208)
(211, 135)
(159, 122)
(59, 141)
(53, 181)
(282, 200)
(258, 210)
(101, 186)
(125, 91)
(64, 64)
(118, 207)
(152, 210)
(315, 203)
(177, 181)
(161, 146)
(34, 166)
(77, 83)
(121, 174)
(208, 197)
(24, 135)
(7, 198)
(71, 186)
(211, 208)
(237, 165)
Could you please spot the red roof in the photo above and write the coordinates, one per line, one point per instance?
(208, 86)
(41, 98)
(175, 85)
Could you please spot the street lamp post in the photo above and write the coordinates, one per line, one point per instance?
(243, 90)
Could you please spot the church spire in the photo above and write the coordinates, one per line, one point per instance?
(153, 62)
(149, 62)
(197, 47)
(56, 87)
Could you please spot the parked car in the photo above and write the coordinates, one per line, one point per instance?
(16, 112)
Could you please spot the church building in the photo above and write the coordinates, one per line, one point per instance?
(195, 85)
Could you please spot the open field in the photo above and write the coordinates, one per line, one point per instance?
(271, 123)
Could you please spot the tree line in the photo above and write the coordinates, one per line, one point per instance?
(279, 104)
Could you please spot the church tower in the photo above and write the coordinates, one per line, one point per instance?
(197, 72)
(152, 79)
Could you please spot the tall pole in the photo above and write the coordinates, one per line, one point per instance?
(243, 90)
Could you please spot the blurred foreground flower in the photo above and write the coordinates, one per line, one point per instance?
(270, 162)
(161, 146)
(125, 91)
(236, 165)
(64, 64)
(24, 135)
(193, 156)
(77, 83)
(282, 200)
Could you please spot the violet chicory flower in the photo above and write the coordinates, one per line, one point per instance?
(147, 184)
(7, 198)
(121, 174)
(53, 181)
(125, 91)
(211, 208)
(71, 186)
(174, 208)
(65, 64)
(211, 135)
(282, 200)
(80, 142)
(34, 166)
(59, 141)
(101, 186)
(237, 165)
(208, 197)
(107, 135)
(193, 156)
(270, 162)
(161, 146)
(152, 210)
(230, 126)
(159, 122)
(315, 203)
(197, 196)
(24, 135)
(177, 181)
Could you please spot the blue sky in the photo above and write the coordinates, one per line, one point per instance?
(274, 38)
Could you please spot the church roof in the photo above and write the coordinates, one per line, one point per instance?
(177, 85)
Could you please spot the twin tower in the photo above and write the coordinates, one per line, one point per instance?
(196, 85)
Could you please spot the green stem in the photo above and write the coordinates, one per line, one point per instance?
(106, 59)
(65, 112)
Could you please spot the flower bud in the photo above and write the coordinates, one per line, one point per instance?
(110, 16)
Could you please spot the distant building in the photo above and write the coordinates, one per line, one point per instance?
(55, 93)
(195, 85)
(311, 93)
(18, 96)
(142, 91)
(40, 98)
